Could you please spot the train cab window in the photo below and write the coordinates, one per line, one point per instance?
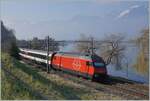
(97, 64)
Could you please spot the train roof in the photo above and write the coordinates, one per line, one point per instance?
(34, 51)
(45, 52)
(81, 55)
(73, 53)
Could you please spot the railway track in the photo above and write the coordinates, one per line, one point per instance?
(125, 90)
(135, 87)
(126, 93)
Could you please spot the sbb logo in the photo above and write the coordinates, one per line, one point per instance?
(76, 64)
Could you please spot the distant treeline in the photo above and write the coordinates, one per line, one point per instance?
(39, 44)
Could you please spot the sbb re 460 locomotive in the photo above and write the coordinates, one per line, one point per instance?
(85, 65)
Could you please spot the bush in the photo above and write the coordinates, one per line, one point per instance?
(14, 51)
(8, 41)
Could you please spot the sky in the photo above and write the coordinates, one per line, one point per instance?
(68, 19)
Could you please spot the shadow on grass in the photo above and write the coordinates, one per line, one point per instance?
(67, 92)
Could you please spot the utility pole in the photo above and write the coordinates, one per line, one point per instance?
(92, 45)
(48, 54)
(53, 45)
(29, 44)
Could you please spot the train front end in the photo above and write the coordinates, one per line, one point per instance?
(100, 70)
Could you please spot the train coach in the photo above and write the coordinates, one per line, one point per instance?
(85, 65)
(35, 55)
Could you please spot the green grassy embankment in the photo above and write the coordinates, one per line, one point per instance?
(36, 84)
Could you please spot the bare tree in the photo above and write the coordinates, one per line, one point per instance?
(112, 49)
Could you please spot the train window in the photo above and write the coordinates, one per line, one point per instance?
(97, 64)
(38, 55)
(23, 52)
(41, 56)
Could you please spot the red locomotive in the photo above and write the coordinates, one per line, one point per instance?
(85, 65)
(81, 64)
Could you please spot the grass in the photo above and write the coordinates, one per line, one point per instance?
(50, 86)
(10, 88)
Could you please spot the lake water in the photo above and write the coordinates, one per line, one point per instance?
(130, 74)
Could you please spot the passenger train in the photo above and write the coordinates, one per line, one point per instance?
(85, 65)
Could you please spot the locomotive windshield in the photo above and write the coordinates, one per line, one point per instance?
(98, 61)
(97, 64)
